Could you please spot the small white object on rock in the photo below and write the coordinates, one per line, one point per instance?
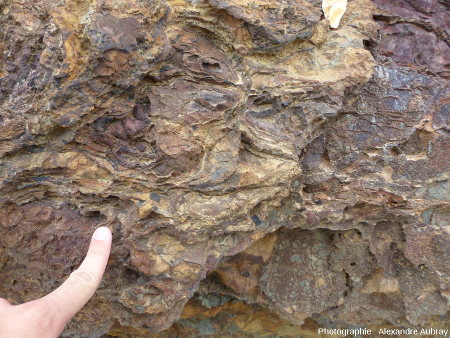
(334, 10)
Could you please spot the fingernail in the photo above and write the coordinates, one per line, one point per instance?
(101, 233)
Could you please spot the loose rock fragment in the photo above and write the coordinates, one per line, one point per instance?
(334, 10)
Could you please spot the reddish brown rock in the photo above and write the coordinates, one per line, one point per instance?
(416, 34)
(250, 161)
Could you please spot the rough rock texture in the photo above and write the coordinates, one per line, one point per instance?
(246, 156)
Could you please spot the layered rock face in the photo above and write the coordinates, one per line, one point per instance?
(254, 165)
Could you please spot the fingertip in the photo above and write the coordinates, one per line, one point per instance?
(4, 302)
(4, 305)
(102, 234)
(99, 250)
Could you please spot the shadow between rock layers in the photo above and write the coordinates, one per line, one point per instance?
(236, 148)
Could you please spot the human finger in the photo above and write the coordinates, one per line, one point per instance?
(81, 285)
(4, 303)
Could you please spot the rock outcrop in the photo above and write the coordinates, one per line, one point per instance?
(254, 164)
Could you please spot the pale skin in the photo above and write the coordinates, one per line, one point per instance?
(47, 316)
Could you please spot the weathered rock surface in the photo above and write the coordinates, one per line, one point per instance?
(247, 157)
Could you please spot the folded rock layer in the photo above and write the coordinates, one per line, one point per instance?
(255, 165)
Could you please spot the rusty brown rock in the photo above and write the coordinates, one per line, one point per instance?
(241, 152)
